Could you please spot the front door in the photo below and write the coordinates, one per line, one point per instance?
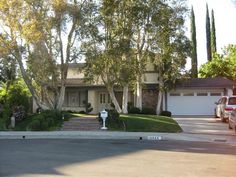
(104, 101)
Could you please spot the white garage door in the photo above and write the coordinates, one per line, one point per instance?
(193, 102)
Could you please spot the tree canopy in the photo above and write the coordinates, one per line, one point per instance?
(221, 65)
(116, 38)
(47, 34)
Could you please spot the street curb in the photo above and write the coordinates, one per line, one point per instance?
(101, 135)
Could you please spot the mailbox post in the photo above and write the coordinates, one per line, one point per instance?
(104, 116)
(13, 121)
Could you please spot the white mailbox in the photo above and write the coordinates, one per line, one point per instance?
(104, 115)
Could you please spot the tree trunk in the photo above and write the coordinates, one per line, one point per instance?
(138, 95)
(160, 95)
(114, 100)
(61, 97)
(125, 99)
(159, 102)
(139, 83)
(29, 84)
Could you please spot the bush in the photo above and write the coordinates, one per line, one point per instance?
(112, 114)
(88, 107)
(6, 116)
(34, 125)
(82, 112)
(147, 110)
(19, 113)
(113, 120)
(166, 113)
(129, 106)
(45, 120)
(134, 110)
(2, 125)
(15, 100)
(17, 95)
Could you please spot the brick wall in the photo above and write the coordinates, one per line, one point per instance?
(150, 98)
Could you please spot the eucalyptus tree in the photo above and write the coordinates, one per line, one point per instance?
(141, 26)
(41, 36)
(108, 50)
(168, 44)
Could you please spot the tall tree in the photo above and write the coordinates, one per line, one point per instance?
(43, 33)
(122, 36)
(208, 35)
(213, 33)
(169, 45)
(107, 51)
(140, 43)
(194, 70)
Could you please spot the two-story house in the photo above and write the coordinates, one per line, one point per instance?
(195, 96)
(78, 91)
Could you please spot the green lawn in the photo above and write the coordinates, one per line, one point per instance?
(145, 123)
(126, 122)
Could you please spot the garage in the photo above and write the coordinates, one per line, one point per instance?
(197, 96)
(193, 102)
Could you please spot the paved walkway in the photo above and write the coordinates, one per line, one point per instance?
(88, 123)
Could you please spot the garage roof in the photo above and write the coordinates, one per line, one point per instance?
(217, 82)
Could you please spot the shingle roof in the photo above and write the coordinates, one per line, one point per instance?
(218, 82)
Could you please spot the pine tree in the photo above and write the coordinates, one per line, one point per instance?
(213, 33)
(194, 71)
(208, 35)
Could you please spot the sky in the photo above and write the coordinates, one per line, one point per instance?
(225, 15)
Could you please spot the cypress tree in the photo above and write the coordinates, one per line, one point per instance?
(194, 71)
(213, 33)
(208, 35)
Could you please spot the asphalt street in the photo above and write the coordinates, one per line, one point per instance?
(115, 158)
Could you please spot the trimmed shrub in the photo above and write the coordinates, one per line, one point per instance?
(134, 110)
(148, 110)
(82, 112)
(166, 113)
(88, 107)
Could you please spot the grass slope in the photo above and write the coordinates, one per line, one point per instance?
(145, 123)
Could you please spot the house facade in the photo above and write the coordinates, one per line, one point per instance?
(78, 91)
(195, 96)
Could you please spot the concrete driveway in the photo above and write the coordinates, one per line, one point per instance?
(204, 125)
